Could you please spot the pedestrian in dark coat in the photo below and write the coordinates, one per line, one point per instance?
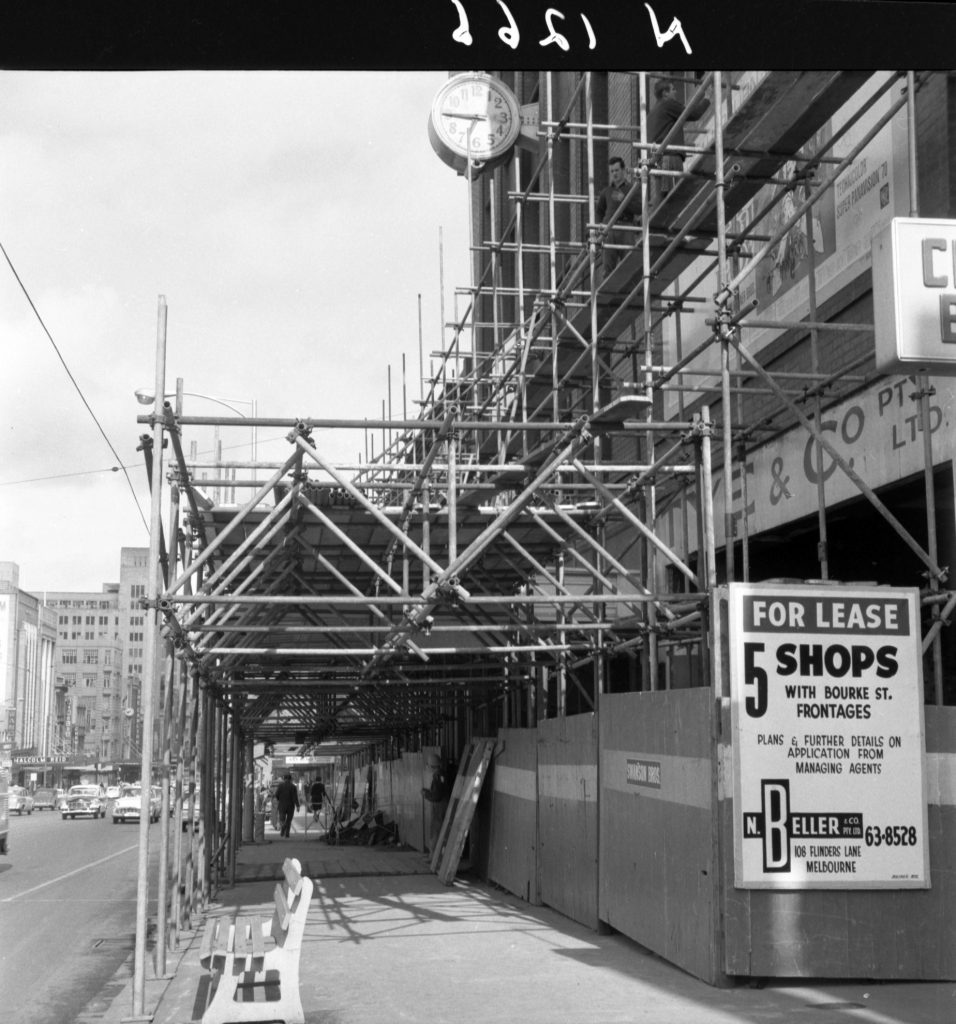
(287, 798)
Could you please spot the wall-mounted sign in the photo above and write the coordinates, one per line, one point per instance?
(828, 746)
(914, 296)
(474, 116)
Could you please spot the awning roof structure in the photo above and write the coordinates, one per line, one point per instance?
(329, 607)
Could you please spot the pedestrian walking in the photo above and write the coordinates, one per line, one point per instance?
(287, 799)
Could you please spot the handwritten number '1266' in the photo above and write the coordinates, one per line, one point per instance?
(510, 34)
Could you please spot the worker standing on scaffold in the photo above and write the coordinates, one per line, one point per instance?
(608, 202)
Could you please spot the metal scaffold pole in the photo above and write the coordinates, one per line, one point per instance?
(151, 641)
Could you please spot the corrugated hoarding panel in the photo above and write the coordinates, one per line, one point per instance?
(885, 934)
(513, 784)
(657, 871)
(568, 816)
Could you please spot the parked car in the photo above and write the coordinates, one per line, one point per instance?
(45, 800)
(84, 801)
(113, 792)
(19, 800)
(196, 813)
(129, 806)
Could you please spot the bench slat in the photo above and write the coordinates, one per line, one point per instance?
(208, 937)
(242, 944)
(283, 910)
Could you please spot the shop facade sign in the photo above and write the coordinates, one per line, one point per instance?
(914, 296)
(826, 698)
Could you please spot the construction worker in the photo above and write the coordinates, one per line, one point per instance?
(436, 793)
(662, 117)
(608, 201)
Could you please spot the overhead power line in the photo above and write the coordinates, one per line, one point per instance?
(73, 381)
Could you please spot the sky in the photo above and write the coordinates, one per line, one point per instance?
(291, 221)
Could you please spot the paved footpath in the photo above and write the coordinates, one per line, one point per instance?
(387, 942)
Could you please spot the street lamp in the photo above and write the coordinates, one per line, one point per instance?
(146, 396)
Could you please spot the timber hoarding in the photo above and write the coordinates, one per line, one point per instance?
(828, 738)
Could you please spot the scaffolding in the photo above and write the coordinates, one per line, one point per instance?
(555, 522)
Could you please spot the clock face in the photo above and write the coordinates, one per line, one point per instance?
(476, 116)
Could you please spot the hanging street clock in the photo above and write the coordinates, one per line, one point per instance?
(474, 115)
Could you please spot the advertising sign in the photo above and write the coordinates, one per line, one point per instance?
(827, 710)
(914, 295)
(867, 194)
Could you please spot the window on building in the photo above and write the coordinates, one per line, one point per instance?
(69, 655)
(89, 682)
(75, 635)
(137, 590)
(63, 620)
(91, 656)
(91, 620)
(77, 620)
(89, 635)
(104, 620)
(69, 678)
(107, 657)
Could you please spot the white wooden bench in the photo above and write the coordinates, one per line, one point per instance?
(254, 958)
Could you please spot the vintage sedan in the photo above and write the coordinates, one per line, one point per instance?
(129, 805)
(20, 800)
(84, 801)
(45, 800)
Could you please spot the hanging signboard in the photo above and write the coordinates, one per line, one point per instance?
(914, 296)
(827, 710)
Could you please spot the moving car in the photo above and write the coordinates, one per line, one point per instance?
(45, 800)
(84, 801)
(129, 805)
(19, 800)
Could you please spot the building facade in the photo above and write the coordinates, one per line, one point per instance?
(28, 698)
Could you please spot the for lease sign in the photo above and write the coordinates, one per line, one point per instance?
(827, 711)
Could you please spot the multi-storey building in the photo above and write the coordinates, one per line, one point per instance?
(89, 669)
(27, 698)
(99, 665)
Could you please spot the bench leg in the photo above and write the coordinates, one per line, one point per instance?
(224, 1009)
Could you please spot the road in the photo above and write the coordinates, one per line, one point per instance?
(67, 912)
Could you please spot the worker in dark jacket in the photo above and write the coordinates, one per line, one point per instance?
(436, 793)
(287, 798)
(662, 117)
(608, 201)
